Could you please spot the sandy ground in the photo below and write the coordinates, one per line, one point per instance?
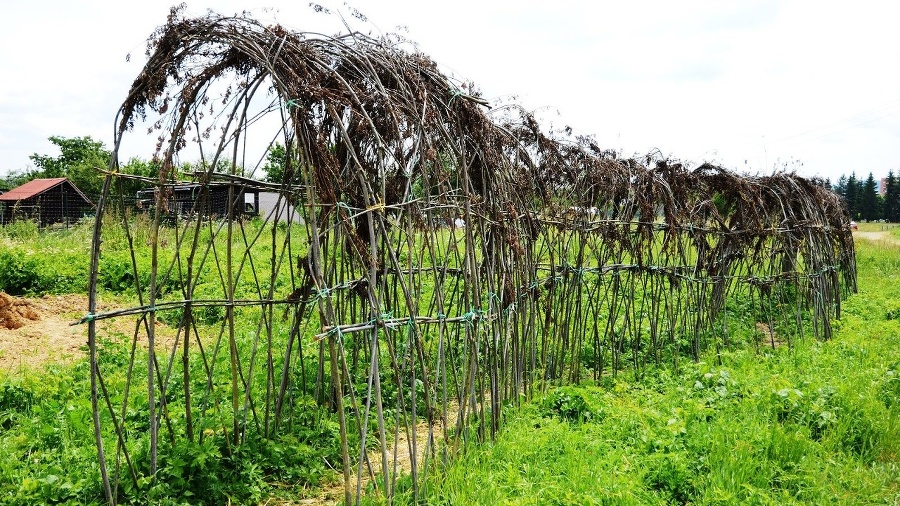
(398, 454)
(37, 331)
(34, 332)
(768, 336)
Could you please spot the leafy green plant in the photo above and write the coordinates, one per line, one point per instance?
(670, 474)
(19, 273)
(571, 403)
(27, 272)
(21, 230)
(15, 401)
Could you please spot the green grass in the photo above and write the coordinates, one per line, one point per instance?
(819, 424)
(48, 454)
(34, 263)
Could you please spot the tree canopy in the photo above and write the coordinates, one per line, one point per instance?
(79, 160)
(869, 208)
(866, 201)
(892, 198)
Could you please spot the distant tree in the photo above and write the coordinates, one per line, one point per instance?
(279, 160)
(841, 186)
(18, 178)
(851, 196)
(136, 167)
(79, 159)
(868, 201)
(892, 198)
(224, 166)
(275, 161)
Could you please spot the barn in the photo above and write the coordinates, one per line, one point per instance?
(212, 200)
(46, 201)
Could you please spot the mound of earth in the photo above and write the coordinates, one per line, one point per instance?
(15, 313)
(36, 331)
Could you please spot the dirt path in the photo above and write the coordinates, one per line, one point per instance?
(333, 493)
(878, 237)
(429, 439)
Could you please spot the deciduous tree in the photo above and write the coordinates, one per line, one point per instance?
(79, 159)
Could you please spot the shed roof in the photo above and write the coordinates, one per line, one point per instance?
(36, 187)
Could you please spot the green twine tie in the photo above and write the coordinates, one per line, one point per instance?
(456, 93)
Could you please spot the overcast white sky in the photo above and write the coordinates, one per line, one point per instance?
(753, 85)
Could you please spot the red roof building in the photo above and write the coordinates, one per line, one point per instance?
(46, 201)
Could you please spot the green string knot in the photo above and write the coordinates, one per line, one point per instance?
(469, 317)
(456, 93)
(388, 315)
(345, 207)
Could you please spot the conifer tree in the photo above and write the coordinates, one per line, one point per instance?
(868, 200)
(892, 198)
(851, 196)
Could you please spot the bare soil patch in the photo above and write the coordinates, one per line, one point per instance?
(35, 331)
(769, 336)
(401, 461)
(429, 438)
(15, 313)
(38, 331)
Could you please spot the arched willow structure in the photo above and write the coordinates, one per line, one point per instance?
(451, 259)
